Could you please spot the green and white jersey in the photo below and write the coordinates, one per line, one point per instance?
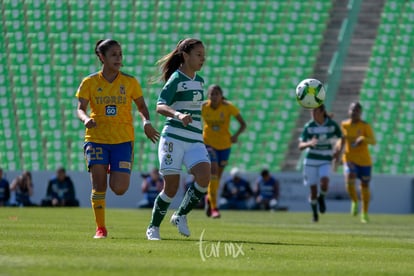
(322, 152)
(186, 96)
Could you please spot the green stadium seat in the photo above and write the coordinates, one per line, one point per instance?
(11, 160)
(58, 13)
(123, 27)
(407, 18)
(35, 10)
(13, 14)
(32, 161)
(13, 26)
(77, 161)
(57, 27)
(82, 26)
(210, 5)
(54, 159)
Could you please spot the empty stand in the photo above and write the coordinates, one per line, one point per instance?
(256, 50)
(386, 90)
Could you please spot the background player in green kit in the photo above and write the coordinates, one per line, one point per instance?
(181, 140)
(316, 139)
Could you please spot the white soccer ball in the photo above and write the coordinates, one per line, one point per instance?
(310, 93)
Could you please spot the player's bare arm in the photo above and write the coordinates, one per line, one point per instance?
(83, 115)
(167, 111)
(242, 127)
(149, 130)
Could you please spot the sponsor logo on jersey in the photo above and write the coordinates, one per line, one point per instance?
(110, 100)
(197, 96)
(110, 110)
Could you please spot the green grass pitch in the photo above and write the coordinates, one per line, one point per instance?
(40, 241)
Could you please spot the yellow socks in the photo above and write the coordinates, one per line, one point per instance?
(365, 198)
(350, 187)
(98, 206)
(213, 187)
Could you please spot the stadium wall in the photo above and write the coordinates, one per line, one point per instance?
(391, 194)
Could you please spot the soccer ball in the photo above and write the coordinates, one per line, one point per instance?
(310, 93)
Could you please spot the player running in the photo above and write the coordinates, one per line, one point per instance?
(358, 135)
(181, 140)
(316, 138)
(216, 114)
(109, 137)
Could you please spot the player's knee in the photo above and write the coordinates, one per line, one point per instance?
(119, 191)
(325, 181)
(203, 182)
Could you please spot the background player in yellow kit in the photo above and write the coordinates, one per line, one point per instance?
(109, 137)
(217, 113)
(357, 135)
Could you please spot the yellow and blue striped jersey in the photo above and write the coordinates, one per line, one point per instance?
(111, 107)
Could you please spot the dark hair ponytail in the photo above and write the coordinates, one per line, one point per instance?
(325, 113)
(103, 45)
(172, 61)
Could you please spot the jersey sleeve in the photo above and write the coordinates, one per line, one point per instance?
(203, 109)
(234, 111)
(168, 91)
(370, 133)
(304, 135)
(83, 90)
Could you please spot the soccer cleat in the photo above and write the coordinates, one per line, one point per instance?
(153, 233)
(215, 213)
(181, 223)
(322, 205)
(207, 206)
(354, 208)
(101, 233)
(364, 218)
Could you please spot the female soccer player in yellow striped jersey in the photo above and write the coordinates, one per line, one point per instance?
(217, 113)
(109, 137)
(358, 135)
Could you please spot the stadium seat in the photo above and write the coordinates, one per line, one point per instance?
(57, 38)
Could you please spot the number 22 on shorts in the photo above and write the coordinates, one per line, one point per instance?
(94, 153)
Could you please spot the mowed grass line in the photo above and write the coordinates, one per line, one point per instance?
(41, 241)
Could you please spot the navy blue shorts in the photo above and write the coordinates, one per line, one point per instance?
(219, 156)
(361, 172)
(119, 157)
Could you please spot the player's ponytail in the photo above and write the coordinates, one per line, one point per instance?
(172, 61)
(325, 113)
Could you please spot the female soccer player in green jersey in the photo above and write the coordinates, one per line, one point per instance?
(317, 138)
(181, 141)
